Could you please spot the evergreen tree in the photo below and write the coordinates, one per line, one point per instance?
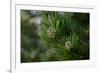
(56, 36)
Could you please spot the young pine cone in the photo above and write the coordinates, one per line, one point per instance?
(51, 32)
(68, 45)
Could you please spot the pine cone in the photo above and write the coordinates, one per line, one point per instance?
(51, 32)
(68, 45)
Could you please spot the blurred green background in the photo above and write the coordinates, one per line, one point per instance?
(54, 36)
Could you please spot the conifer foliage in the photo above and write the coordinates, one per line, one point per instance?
(54, 36)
